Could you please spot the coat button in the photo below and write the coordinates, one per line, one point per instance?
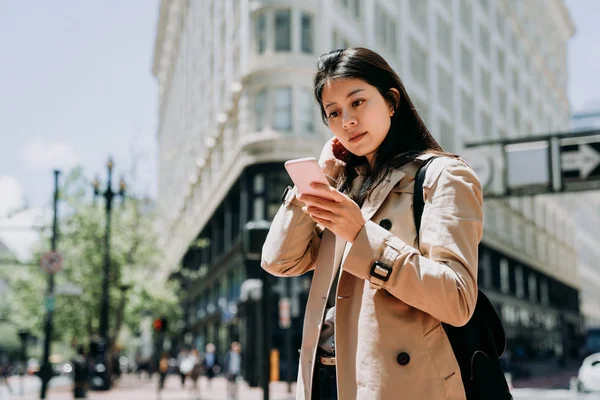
(403, 358)
(386, 224)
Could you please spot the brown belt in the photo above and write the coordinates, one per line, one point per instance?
(326, 360)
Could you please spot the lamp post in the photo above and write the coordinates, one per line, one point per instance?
(109, 196)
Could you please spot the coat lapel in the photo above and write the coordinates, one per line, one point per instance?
(373, 203)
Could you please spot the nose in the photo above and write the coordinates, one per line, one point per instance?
(349, 120)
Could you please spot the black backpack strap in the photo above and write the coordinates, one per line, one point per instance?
(418, 200)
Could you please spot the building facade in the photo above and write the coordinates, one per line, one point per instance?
(235, 84)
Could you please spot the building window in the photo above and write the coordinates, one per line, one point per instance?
(486, 124)
(259, 208)
(466, 62)
(500, 22)
(260, 32)
(258, 184)
(532, 288)
(307, 110)
(445, 86)
(444, 37)
(466, 15)
(357, 5)
(501, 61)
(338, 41)
(484, 39)
(544, 292)
(307, 33)
(418, 11)
(421, 108)
(283, 30)
(468, 114)
(446, 135)
(260, 105)
(502, 101)
(504, 282)
(282, 109)
(418, 62)
(352, 6)
(385, 28)
(520, 283)
(517, 118)
(486, 84)
(515, 80)
(486, 264)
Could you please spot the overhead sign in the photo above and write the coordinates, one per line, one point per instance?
(51, 262)
(563, 162)
(580, 162)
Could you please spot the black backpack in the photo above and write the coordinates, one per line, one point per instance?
(479, 344)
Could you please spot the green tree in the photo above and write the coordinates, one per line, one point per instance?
(135, 261)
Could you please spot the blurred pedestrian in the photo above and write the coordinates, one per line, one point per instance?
(211, 365)
(5, 372)
(197, 369)
(81, 369)
(163, 370)
(233, 364)
(185, 364)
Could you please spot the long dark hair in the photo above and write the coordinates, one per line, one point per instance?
(408, 136)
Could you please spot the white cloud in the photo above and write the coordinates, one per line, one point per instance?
(18, 229)
(42, 154)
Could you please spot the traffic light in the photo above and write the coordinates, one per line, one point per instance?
(160, 324)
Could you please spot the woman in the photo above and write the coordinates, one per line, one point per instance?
(372, 327)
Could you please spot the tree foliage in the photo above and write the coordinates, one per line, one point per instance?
(135, 260)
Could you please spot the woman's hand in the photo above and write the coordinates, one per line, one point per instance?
(333, 157)
(342, 216)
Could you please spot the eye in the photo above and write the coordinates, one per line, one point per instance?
(333, 114)
(357, 103)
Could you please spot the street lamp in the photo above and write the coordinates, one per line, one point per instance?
(109, 196)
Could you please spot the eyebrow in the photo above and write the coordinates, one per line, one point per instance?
(349, 95)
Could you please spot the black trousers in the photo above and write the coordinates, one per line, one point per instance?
(324, 383)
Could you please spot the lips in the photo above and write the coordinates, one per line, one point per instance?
(356, 137)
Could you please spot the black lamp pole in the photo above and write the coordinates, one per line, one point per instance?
(109, 196)
(46, 368)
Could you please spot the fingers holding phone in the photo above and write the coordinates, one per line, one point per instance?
(333, 158)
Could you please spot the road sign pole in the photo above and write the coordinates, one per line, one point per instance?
(46, 370)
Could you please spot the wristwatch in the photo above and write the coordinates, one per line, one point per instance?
(382, 268)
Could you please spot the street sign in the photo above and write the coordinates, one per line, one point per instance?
(49, 302)
(285, 320)
(580, 162)
(51, 262)
(555, 163)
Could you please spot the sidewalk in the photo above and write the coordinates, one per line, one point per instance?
(130, 388)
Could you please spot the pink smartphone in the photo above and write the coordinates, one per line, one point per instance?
(303, 172)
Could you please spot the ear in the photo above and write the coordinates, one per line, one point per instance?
(394, 96)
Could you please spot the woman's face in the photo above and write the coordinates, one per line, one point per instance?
(358, 115)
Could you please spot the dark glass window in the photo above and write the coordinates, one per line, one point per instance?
(283, 30)
(307, 33)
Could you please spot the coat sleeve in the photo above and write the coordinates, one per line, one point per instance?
(292, 243)
(441, 279)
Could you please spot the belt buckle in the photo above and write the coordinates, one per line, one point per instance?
(326, 360)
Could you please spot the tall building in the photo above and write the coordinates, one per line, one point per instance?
(235, 79)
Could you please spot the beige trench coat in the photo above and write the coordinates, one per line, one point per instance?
(436, 282)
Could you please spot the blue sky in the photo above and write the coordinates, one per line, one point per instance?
(76, 86)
